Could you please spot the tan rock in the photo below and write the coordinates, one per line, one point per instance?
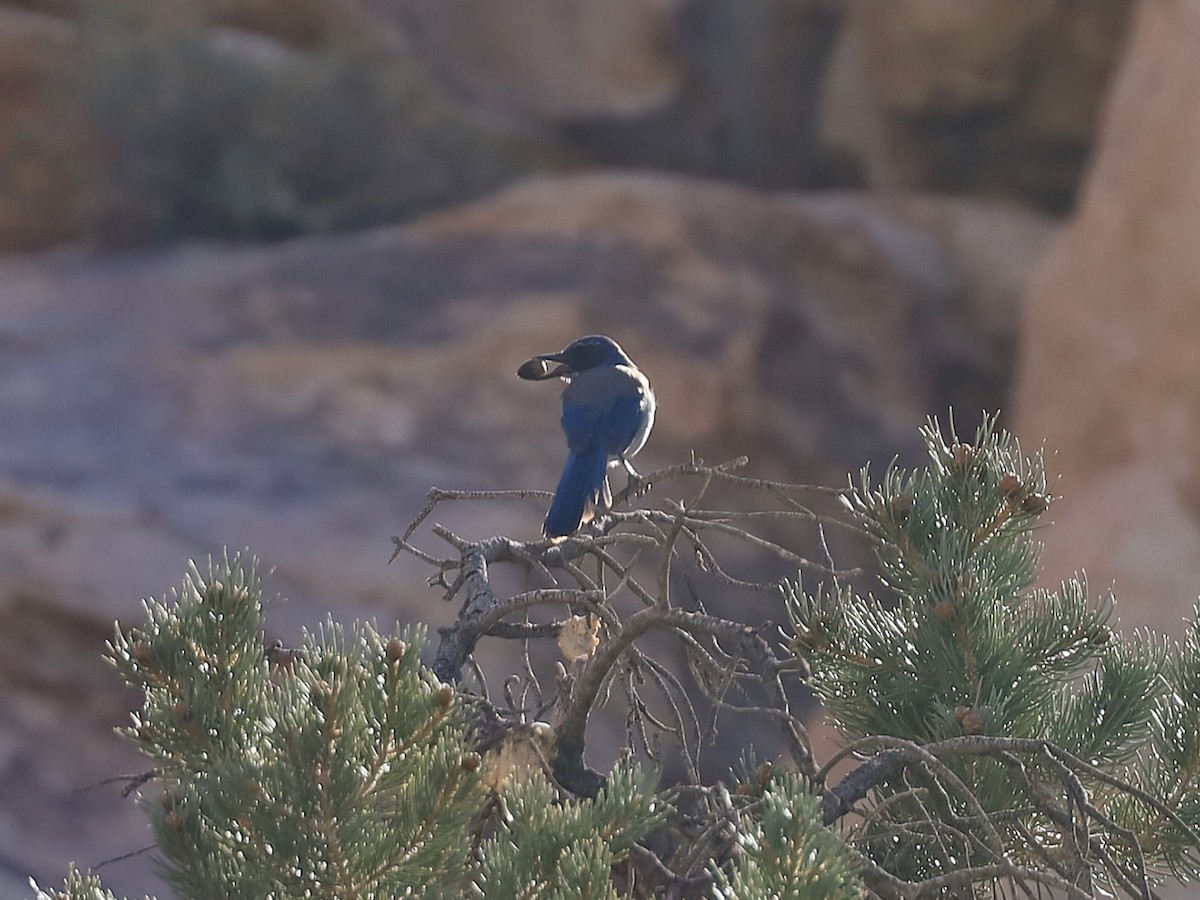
(28, 41)
(981, 96)
(34, 202)
(301, 23)
(938, 57)
(552, 58)
(1110, 367)
(66, 8)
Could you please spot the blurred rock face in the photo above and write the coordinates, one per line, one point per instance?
(34, 208)
(1110, 365)
(135, 123)
(985, 96)
(551, 59)
(300, 400)
(111, 113)
(746, 101)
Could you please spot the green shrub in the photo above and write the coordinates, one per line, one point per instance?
(185, 129)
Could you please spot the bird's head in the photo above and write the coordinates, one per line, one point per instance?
(579, 356)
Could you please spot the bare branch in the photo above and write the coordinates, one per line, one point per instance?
(625, 568)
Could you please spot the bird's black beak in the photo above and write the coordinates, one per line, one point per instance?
(539, 368)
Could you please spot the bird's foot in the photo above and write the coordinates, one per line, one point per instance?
(636, 487)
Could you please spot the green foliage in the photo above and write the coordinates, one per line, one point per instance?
(339, 769)
(77, 886)
(954, 544)
(1168, 766)
(190, 130)
(549, 849)
(342, 769)
(785, 853)
(966, 649)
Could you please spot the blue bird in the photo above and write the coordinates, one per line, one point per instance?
(607, 414)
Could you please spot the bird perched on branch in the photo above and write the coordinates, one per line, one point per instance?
(607, 414)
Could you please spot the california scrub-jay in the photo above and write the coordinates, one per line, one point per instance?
(607, 413)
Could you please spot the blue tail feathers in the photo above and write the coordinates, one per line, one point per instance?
(582, 480)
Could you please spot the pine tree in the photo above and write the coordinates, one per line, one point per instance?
(784, 850)
(1011, 734)
(339, 769)
(1000, 738)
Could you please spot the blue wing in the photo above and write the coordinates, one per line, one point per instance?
(612, 427)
